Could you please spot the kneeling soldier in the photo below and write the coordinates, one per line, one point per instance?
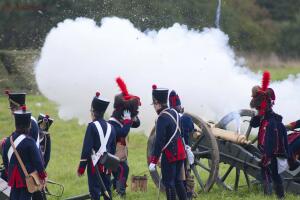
(168, 142)
(294, 144)
(92, 144)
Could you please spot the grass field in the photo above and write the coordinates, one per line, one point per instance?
(67, 139)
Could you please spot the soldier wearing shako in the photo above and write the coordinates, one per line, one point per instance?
(272, 136)
(187, 129)
(44, 122)
(124, 117)
(16, 100)
(28, 153)
(169, 145)
(96, 130)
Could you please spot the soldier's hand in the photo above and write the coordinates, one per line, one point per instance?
(152, 167)
(126, 115)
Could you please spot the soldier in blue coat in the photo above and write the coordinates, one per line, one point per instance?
(29, 154)
(92, 144)
(272, 138)
(169, 145)
(44, 123)
(187, 129)
(124, 117)
(16, 100)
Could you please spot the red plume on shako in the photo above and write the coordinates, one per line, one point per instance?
(265, 84)
(263, 97)
(124, 100)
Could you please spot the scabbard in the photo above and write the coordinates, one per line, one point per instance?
(103, 188)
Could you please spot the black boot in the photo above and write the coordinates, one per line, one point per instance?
(121, 188)
(279, 190)
(181, 191)
(171, 193)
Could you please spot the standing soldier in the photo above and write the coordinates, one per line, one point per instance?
(125, 116)
(16, 100)
(168, 143)
(272, 136)
(44, 122)
(92, 144)
(187, 129)
(29, 154)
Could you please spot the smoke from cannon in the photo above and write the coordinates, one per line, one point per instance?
(80, 57)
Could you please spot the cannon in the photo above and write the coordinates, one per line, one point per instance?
(231, 145)
(52, 188)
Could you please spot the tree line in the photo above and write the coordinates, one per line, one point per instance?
(259, 26)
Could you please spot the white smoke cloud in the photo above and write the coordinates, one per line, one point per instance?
(80, 58)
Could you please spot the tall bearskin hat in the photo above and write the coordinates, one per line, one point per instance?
(98, 104)
(22, 118)
(263, 97)
(174, 100)
(126, 101)
(16, 100)
(46, 120)
(160, 94)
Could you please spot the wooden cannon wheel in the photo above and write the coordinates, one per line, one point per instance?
(242, 121)
(205, 149)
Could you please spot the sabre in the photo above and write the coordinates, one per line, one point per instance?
(159, 182)
(101, 181)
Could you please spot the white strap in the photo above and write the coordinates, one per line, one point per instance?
(103, 141)
(117, 121)
(37, 142)
(17, 141)
(177, 127)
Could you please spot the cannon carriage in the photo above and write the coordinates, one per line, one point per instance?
(231, 144)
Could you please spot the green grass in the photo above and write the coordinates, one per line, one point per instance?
(67, 139)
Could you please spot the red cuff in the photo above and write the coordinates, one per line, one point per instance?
(154, 159)
(80, 170)
(127, 121)
(43, 175)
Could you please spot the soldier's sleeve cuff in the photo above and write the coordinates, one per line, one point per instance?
(83, 160)
(127, 121)
(154, 159)
(81, 170)
(43, 175)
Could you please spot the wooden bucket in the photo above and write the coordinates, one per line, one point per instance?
(139, 183)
